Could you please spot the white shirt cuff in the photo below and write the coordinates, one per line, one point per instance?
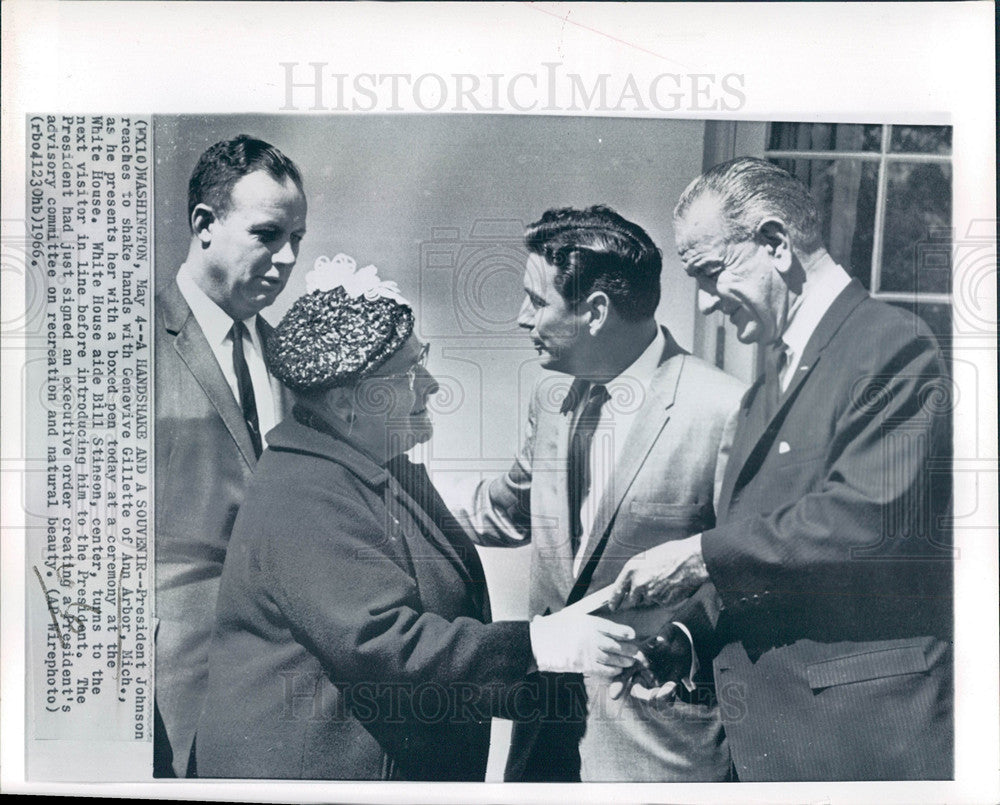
(688, 681)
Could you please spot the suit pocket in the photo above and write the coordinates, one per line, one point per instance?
(793, 473)
(641, 524)
(669, 513)
(644, 523)
(870, 665)
(795, 457)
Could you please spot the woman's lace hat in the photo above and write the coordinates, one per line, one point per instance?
(346, 325)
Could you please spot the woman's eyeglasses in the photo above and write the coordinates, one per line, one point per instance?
(421, 361)
(411, 373)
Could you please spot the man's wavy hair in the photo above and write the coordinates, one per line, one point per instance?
(228, 161)
(751, 190)
(597, 250)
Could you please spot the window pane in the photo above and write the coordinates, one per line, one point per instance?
(916, 244)
(824, 137)
(937, 317)
(845, 191)
(920, 139)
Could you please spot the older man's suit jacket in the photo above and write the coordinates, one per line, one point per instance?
(831, 557)
(661, 489)
(350, 640)
(204, 458)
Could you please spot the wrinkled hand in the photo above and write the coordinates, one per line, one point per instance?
(663, 661)
(662, 575)
(583, 644)
(638, 683)
(664, 693)
(638, 675)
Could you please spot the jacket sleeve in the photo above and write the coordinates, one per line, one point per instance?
(340, 578)
(497, 512)
(873, 506)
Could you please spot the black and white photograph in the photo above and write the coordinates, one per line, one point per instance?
(590, 423)
(325, 614)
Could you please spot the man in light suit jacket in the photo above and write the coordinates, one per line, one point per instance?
(831, 555)
(214, 401)
(618, 456)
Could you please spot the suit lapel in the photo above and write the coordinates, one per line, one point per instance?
(738, 451)
(756, 433)
(193, 348)
(282, 396)
(649, 423)
(550, 484)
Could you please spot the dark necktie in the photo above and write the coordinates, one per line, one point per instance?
(579, 460)
(774, 364)
(247, 400)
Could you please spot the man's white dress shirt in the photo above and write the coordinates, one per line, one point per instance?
(823, 286)
(627, 393)
(217, 326)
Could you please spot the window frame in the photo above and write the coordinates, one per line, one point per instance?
(884, 157)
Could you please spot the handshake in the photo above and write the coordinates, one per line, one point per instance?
(570, 641)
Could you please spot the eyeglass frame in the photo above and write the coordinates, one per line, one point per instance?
(411, 373)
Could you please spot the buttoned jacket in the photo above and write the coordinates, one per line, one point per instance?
(833, 561)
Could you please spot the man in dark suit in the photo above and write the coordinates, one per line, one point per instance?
(832, 653)
(620, 454)
(215, 400)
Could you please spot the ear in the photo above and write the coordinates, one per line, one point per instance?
(598, 308)
(202, 219)
(773, 235)
(340, 403)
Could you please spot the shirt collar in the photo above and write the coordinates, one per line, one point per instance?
(644, 367)
(641, 369)
(215, 323)
(823, 286)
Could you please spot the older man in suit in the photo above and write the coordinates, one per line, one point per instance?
(214, 401)
(621, 456)
(830, 555)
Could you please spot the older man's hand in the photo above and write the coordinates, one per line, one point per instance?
(662, 575)
(661, 663)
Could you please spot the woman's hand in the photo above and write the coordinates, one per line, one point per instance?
(584, 644)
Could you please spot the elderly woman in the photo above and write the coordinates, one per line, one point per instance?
(352, 636)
